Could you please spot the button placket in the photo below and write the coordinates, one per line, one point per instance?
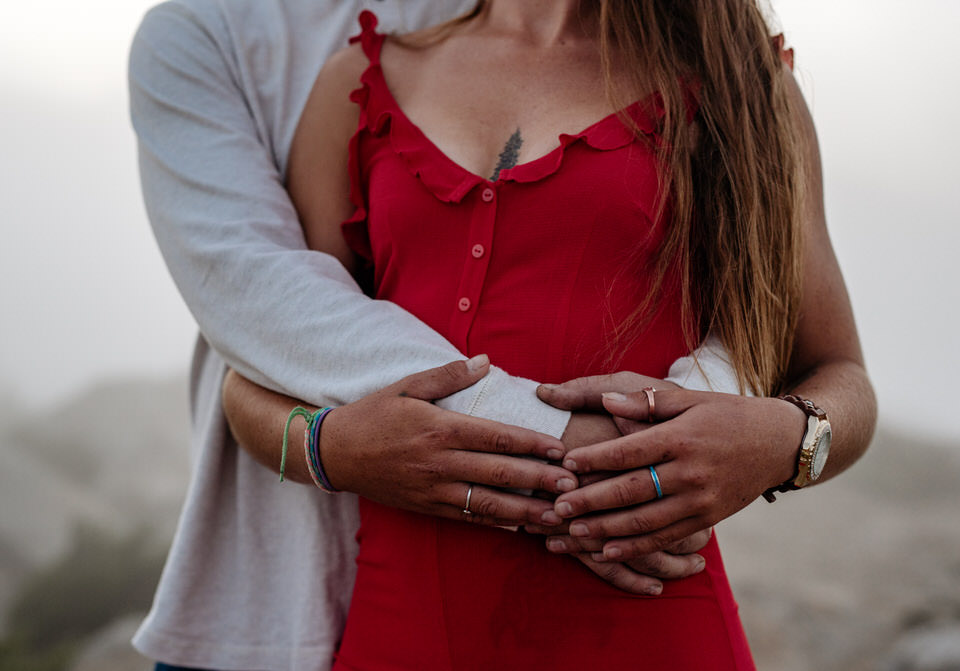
(476, 261)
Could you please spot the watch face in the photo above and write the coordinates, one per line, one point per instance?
(821, 451)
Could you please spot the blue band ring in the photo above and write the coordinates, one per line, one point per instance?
(656, 482)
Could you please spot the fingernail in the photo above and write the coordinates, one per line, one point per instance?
(556, 545)
(564, 509)
(554, 454)
(551, 518)
(566, 485)
(579, 529)
(699, 564)
(549, 387)
(612, 553)
(570, 464)
(476, 363)
(653, 590)
(613, 396)
(597, 556)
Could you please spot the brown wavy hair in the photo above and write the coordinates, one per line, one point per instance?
(732, 180)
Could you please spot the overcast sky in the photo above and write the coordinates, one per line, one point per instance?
(84, 295)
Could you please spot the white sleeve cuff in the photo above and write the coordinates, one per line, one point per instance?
(509, 400)
(708, 368)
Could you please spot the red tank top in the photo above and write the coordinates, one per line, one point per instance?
(534, 269)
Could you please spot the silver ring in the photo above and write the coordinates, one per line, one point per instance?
(466, 506)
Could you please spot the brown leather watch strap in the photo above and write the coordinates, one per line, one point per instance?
(810, 409)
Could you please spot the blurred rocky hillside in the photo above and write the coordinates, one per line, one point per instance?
(89, 500)
(861, 573)
(858, 574)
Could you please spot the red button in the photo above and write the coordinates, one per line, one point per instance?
(477, 251)
(464, 304)
(487, 195)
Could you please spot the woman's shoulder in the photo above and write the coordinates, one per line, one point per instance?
(341, 72)
(329, 114)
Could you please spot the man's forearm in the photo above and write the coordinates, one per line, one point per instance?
(288, 318)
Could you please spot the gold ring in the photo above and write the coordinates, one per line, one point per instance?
(651, 403)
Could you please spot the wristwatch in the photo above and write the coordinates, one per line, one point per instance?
(814, 448)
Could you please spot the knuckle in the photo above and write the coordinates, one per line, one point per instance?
(697, 478)
(439, 435)
(639, 524)
(610, 572)
(708, 501)
(451, 371)
(547, 482)
(484, 506)
(429, 470)
(622, 494)
(502, 443)
(660, 539)
(652, 564)
(500, 475)
(618, 457)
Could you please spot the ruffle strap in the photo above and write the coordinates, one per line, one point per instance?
(370, 40)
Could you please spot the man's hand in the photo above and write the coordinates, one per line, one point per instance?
(395, 447)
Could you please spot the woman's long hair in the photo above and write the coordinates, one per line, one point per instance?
(733, 183)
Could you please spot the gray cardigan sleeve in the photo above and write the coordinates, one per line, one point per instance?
(289, 318)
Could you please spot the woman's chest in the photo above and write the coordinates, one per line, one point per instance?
(485, 107)
(538, 269)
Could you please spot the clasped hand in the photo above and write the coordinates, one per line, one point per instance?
(714, 454)
(397, 448)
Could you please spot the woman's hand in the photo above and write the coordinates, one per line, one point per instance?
(713, 453)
